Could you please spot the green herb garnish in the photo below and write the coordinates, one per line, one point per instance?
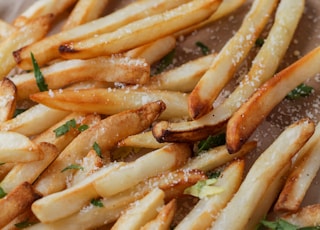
(18, 111)
(97, 202)
(72, 166)
(259, 42)
(96, 148)
(165, 62)
(83, 127)
(38, 75)
(2, 193)
(63, 129)
(301, 90)
(213, 174)
(204, 188)
(24, 224)
(281, 224)
(211, 142)
(204, 49)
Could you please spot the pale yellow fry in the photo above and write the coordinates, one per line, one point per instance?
(66, 202)
(245, 120)
(111, 101)
(142, 31)
(207, 209)
(305, 217)
(229, 58)
(5, 169)
(169, 157)
(141, 140)
(40, 8)
(29, 171)
(16, 202)
(15, 147)
(6, 30)
(264, 170)
(163, 219)
(31, 32)
(183, 78)
(85, 11)
(106, 134)
(140, 212)
(217, 156)
(153, 51)
(107, 69)
(8, 94)
(47, 49)
(263, 67)
(304, 170)
(34, 120)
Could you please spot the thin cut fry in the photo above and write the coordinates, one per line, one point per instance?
(307, 216)
(141, 140)
(8, 92)
(5, 30)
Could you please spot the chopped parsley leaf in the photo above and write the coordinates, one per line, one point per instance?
(72, 166)
(204, 188)
(165, 62)
(301, 90)
(213, 174)
(97, 202)
(24, 224)
(83, 127)
(18, 111)
(38, 75)
(259, 42)
(211, 142)
(63, 129)
(96, 148)
(2, 193)
(281, 224)
(204, 49)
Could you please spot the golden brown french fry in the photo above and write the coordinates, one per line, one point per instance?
(207, 209)
(163, 219)
(24, 219)
(229, 58)
(106, 134)
(153, 51)
(62, 74)
(64, 203)
(47, 49)
(251, 113)
(34, 120)
(5, 169)
(262, 173)
(6, 30)
(141, 140)
(307, 216)
(169, 157)
(85, 11)
(40, 8)
(31, 32)
(16, 202)
(217, 156)
(15, 147)
(303, 172)
(8, 92)
(263, 68)
(140, 212)
(29, 172)
(142, 31)
(112, 101)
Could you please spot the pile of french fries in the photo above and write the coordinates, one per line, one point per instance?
(97, 131)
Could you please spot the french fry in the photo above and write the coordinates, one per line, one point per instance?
(251, 113)
(64, 203)
(8, 92)
(5, 30)
(207, 209)
(112, 101)
(263, 68)
(140, 212)
(236, 49)
(85, 11)
(34, 120)
(31, 32)
(5, 169)
(15, 147)
(307, 216)
(153, 51)
(142, 31)
(141, 140)
(40, 8)
(169, 157)
(64, 73)
(16, 202)
(22, 220)
(163, 219)
(47, 49)
(114, 127)
(264, 170)
(303, 172)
